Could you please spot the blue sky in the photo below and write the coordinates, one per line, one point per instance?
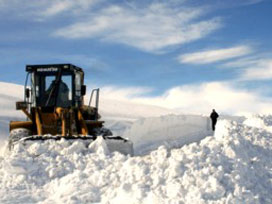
(146, 50)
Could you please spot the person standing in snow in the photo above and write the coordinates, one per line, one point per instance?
(214, 115)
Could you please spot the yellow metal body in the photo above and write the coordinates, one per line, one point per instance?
(62, 121)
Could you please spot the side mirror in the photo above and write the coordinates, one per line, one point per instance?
(83, 90)
(27, 92)
(21, 105)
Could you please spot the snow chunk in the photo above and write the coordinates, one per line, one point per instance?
(260, 121)
(37, 149)
(99, 146)
(76, 147)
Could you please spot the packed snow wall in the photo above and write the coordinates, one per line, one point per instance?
(170, 130)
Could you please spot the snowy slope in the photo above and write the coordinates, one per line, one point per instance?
(233, 166)
(179, 161)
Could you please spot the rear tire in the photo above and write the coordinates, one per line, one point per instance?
(17, 134)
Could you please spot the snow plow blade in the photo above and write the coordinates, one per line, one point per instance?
(114, 143)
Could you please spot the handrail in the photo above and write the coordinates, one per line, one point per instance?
(26, 86)
(97, 98)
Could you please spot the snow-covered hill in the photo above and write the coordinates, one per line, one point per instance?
(178, 160)
(233, 166)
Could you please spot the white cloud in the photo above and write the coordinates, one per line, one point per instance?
(57, 8)
(242, 62)
(200, 98)
(119, 93)
(42, 9)
(261, 71)
(60, 6)
(211, 56)
(152, 28)
(257, 67)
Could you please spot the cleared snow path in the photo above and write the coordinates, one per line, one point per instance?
(170, 130)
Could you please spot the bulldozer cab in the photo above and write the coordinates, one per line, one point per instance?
(59, 85)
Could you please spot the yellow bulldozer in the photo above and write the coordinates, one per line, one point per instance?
(54, 107)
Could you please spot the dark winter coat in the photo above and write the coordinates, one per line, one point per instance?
(214, 115)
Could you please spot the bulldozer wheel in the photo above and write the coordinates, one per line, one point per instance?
(17, 134)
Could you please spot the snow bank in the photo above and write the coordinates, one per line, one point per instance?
(233, 166)
(260, 121)
(170, 130)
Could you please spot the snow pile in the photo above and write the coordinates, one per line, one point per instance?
(260, 121)
(233, 166)
(170, 130)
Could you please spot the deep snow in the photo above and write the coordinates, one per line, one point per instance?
(179, 161)
(233, 166)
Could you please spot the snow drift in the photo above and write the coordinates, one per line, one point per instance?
(179, 161)
(233, 166)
